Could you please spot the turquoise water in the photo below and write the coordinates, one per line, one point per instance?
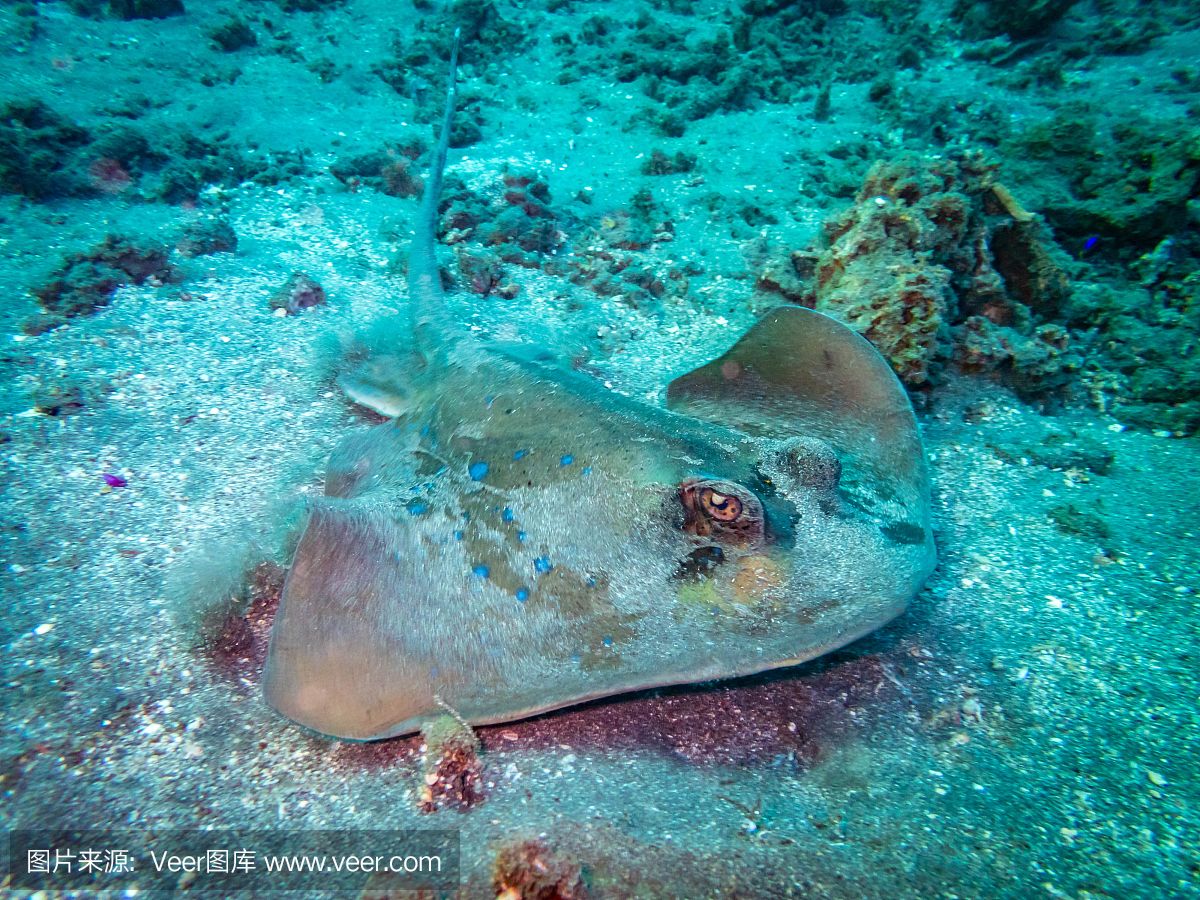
(211, 241)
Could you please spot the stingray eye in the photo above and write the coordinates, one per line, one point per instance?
(722, 507)
(722, 510)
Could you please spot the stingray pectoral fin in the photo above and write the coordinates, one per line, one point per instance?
(797, 371)
(337, 660)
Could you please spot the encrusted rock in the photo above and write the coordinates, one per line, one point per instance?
(300, 293)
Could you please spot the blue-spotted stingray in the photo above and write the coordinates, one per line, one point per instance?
(517, 538)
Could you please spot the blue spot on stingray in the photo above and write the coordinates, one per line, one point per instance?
(542, 564)
(566, 460)
(522, 594)
(587, 470)
(520, 454)
(1091, 242)
(418, 508)
(458, 535)
(521, 536)
(608, 642)
(591, 582)
(477, 470)
(424, 431)
(507, 514)
(576, 658)
(481, 570)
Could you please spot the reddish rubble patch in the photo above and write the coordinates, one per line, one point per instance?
(239, 649)
(795, 716)
(374, 756)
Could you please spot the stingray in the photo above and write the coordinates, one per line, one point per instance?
(516, 538)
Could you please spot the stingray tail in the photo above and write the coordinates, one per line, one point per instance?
(426, 299)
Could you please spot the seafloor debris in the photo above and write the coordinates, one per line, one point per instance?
(300, 293)
(452, 773)
(530, 870)
(936, 264)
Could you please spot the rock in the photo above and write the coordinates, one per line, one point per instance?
(300, 293)
(203, 237)
(233, 34)
(145, 9)
(37, 151)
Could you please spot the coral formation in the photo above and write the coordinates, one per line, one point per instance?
(87, 281)
(762, 50)
(514, 220)
(937, 263)
(1110, 186)
(1016, 18)
(1146, 368)
(127, 9)
(452, 774)
(660, 163)
(44, 156)
(415, 61)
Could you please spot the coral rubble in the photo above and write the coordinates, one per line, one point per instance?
(530, 870)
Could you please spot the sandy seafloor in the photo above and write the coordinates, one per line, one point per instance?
(1027, 729)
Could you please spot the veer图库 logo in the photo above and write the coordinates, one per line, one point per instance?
(230, 861)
